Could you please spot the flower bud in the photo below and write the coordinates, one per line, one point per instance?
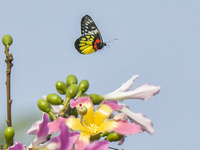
(71, 79)
(9, 134)
(83, 86)
(113, 136)
(7, 40)
(54, 99)
(44, 105)
(72, 91)
(82, 110)
(96, 99)
(61, 87)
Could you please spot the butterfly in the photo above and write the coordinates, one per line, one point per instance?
(91, 39)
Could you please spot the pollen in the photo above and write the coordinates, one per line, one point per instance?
(94, 129)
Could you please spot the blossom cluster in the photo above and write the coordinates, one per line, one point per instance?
(79, 125)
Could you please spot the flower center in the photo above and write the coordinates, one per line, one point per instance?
(93, 128)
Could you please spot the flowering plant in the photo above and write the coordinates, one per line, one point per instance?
(80, 126)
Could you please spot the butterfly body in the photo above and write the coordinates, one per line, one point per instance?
(91, 39)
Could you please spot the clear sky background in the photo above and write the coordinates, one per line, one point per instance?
(157, 39)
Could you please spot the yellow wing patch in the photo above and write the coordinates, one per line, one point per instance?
(85, 44)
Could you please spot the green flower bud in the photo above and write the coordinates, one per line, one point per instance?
(54, 99)
(44, 105)
(96, 99)
(113, 136)
(72, 91)
(71, 79)
(7, 39)
(83, 86)
(9, 134)
(104, 134)
(61, 87)
(95, 137)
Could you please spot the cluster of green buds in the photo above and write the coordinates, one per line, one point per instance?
(72, 90)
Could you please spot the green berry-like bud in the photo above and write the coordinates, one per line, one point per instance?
(96, 99)
(113, 136)
(9, 134)
(7, 40)
(83, 86)
(61, 87)
(54, 99)
(44, 105)
(71, 79)
(72, 91)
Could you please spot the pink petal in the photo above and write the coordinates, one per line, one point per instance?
(139, 119)
(113, 104)
(63, 139)
(128, 84)
(55, 125)
(18, 146)
(145, 92)
(122, 116)
(42, 132)
(82, 141)
(125, 128)
(34, 128)
(98, 145)
(121, 141)
(80, 100)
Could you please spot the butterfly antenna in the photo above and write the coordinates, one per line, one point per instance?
(111, 40)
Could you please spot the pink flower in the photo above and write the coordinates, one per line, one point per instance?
(95, 122)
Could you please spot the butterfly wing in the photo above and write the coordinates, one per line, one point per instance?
(91, 39)
(87, 44)
(88, 27)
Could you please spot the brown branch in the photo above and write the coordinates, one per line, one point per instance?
(8, 60)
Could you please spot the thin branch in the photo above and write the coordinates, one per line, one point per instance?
(8, 60)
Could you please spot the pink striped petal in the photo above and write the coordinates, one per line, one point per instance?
(139, 119)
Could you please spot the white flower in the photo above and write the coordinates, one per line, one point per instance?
(143, 92)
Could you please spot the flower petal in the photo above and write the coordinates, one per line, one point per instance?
(122, 116)
(42, 132)
(98, 145)
(55, 125)
(120, 126)
(85, 101)
(143, 92)
(63, 139)
(105, 110)
(139, 119)
(82, 141)
(34, 128)
(18, 146)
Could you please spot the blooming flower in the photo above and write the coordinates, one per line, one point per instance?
(143, 92)
(95, 122)
(64, 141)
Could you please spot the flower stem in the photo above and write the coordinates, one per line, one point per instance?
(8, 60)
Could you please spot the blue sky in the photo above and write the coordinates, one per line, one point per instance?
(159, 40)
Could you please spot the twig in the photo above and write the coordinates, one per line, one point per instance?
(8, 60)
